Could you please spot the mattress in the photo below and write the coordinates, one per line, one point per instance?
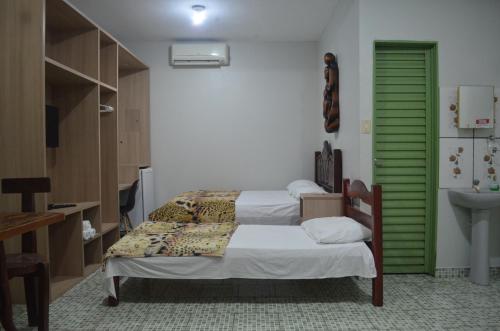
(267, 208)
(255, 252)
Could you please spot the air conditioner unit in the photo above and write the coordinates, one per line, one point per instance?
(199, 54)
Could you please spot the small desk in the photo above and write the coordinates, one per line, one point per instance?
(15, 224)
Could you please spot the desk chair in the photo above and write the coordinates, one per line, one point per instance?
(28, 264)
(127, 207)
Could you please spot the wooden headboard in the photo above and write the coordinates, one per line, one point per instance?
(353, 195)
(328, 168)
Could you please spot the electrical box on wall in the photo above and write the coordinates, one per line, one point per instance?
(476, 108)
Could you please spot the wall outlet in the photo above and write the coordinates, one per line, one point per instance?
(366, 126)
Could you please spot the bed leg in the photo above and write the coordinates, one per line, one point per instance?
(112, 301)
(378, 291)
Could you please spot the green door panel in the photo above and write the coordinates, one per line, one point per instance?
(407, 244)
(404, 252)
(398, 228)
(404, 149)
(401, 80)
(401, 113)
(389, 220)
(403, 138)
(400, 105)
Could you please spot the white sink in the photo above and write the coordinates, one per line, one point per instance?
(480, 205)
(473, 200)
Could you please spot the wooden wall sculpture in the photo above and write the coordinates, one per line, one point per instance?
(331, 111)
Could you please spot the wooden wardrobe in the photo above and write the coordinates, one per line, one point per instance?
(53, 55)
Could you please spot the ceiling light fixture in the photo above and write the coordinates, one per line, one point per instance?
(199, 14)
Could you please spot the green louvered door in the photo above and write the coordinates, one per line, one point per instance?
(405, 127)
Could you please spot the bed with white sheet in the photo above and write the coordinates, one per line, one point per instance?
(279, 207)
(256, 252)
(273, 252)
(267, 208)
(283, 207)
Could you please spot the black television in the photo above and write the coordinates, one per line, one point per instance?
(51, 126)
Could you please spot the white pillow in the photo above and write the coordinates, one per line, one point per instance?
(297, 187)
(299, 182)
(307, 189)
(336, 230)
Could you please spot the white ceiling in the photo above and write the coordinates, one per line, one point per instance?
(235, 20)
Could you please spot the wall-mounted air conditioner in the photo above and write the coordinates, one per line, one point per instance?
(202, 54)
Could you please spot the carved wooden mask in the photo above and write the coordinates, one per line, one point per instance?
(331, 111)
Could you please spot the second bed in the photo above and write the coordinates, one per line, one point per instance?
(277, 207)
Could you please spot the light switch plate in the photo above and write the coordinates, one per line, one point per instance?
(366, 126)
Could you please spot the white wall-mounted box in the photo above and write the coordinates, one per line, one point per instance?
(476, 107)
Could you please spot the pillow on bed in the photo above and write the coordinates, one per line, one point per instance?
(297, 187)
(307, 189)
(300, 182)
(336, 230)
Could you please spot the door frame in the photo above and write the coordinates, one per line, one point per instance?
(432, 123)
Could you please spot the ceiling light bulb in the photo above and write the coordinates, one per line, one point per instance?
(199, 14)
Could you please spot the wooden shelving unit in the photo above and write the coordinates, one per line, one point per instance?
(105, 88)
(91, 268)
(58, 74)
(88, 241)
(108, 60)
(133, 122)
(71, 38)
(61, 284)
(107, 227)
(69, 62)
(80, 206)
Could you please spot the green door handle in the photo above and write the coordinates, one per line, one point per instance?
(378, 163)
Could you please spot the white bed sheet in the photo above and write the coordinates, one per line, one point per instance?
(255, 252)
(267, 208)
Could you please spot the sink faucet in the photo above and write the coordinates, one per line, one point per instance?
(475, 186)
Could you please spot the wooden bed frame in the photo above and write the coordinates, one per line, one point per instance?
(353, 194)
(328, 168)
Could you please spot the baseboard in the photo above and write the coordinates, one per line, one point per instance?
(462, 272)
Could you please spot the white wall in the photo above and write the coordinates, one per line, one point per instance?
(467, 33)
(246, 126)
(341, 37)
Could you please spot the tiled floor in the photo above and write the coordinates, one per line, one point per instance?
(412, 302)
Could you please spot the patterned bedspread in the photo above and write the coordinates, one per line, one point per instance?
(174, 239)
(198, 207)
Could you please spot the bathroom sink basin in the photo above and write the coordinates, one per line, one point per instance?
(473, 200)
(480, 204)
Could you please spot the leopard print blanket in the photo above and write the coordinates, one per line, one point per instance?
(198, 207)
(174, 239)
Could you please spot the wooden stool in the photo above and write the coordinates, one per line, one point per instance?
(28, 264)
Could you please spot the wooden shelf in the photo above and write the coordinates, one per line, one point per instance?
(74, 66)
(105, 88)
(107, 227)
(89, 269)
(60, 15)
(59, 74)
(60, 284)
(80, 206)
(106, 39)
(128, 62)
(97, 236)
